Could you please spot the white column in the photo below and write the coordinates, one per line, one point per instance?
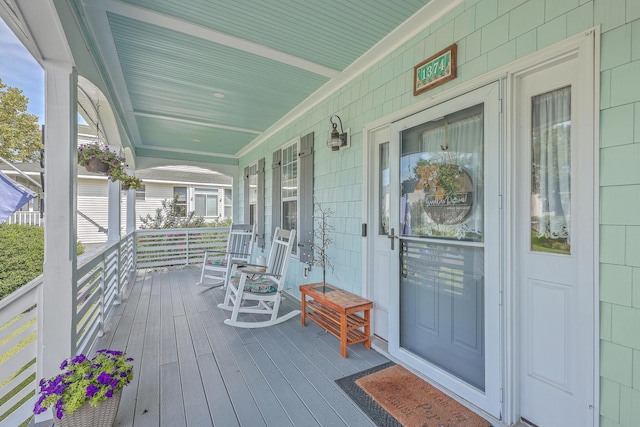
(131, 210)
(55, 324)
(114, 211)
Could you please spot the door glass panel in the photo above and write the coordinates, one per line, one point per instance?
(383, 185)
(551, 172)
(442, 177)
(442, 283)
(442, 307)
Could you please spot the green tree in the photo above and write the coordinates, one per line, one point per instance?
(19, 130)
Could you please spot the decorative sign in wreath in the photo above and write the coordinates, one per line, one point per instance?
(448, 192)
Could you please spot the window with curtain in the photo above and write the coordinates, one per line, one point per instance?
(206, 201)
(551, 172)
(442, 177)
(289, 194)
(254, 199)
(253, 193)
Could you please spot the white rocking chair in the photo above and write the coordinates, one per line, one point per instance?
(265, 287)
(219, 266)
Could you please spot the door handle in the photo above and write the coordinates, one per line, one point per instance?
(392, 236)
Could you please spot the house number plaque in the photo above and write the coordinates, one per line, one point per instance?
(436, 70)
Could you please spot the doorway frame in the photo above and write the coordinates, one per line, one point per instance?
(587, 45)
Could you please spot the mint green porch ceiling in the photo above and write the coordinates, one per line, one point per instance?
(192, 137)
(163, 61)
(173, 74)
(330, 32)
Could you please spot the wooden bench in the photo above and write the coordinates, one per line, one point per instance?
(334, 310)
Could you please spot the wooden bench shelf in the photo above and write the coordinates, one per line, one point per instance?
(334, 311)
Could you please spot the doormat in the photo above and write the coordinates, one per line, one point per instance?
(393, 396)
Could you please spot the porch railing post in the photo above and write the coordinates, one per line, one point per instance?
(131, 210)
(113, 234)
(120, 277)
(186, 261)
(103, 287)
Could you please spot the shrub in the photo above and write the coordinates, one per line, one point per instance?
(21, 256)
(219, 223)
(171, 215)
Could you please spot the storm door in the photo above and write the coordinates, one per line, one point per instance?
(447, 236)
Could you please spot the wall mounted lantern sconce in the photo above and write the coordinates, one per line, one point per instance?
(339, 140)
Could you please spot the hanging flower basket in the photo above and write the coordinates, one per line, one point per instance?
(96, 166)
(128, 182)
(97, 157)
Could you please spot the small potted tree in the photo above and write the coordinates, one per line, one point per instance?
(321, 241)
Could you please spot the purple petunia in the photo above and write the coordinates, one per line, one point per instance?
(98, 378)
(104, 378)
(91, 390)
(79, 359)
(38, 409)
(59, 409)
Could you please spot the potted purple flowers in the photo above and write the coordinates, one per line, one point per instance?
(88, 391)
(97, 157)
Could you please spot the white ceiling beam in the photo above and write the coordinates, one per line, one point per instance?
(183, 150)
(197, 123)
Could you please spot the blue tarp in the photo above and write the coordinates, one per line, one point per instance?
(12, 196)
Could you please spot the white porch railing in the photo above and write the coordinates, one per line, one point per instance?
(25, 218)
(178, 246)
(18, 329)
(100, 281)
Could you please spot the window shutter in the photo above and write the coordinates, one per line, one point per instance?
(276, 190)
(260, 205)
(246, 195)
(305, 198)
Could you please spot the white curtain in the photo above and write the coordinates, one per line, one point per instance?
(551, 164)
(466, 142)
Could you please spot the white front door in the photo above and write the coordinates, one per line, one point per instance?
(444, 216)
(380, 228)
(554, 246)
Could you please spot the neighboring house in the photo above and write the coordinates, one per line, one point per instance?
(206, 193)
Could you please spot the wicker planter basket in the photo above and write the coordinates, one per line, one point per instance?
(102, 415)
(96, 165)
(124, 187)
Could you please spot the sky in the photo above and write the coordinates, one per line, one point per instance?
(19, 69)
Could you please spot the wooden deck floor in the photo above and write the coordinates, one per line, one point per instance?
(193, 370)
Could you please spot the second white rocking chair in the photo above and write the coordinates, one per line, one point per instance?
(219, 266)
(264, 287)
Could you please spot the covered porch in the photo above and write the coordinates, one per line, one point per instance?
(252, 91)
(191, 369)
